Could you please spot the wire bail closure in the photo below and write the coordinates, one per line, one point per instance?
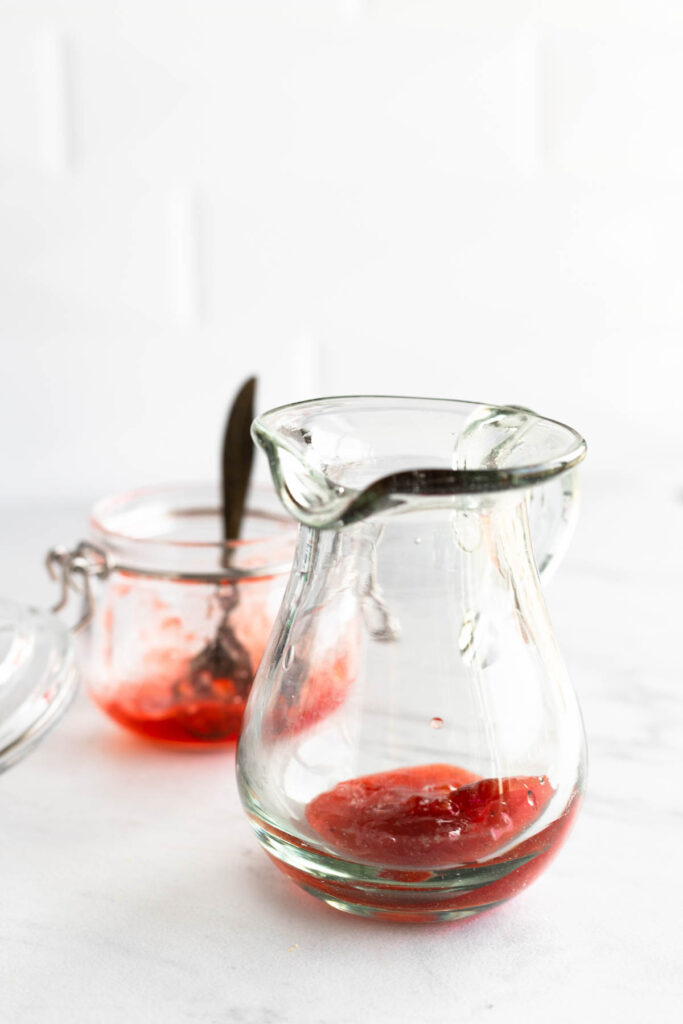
(74, 570)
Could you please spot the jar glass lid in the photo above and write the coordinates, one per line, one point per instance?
(38, 677)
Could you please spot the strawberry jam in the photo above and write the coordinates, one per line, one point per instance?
(438, 843)
(432, 816)
(150, 710)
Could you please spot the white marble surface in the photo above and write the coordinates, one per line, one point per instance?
(133, 890)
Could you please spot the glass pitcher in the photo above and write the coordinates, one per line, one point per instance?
(412, 747)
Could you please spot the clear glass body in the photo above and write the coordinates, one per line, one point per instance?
(173, 593)
(412, 748)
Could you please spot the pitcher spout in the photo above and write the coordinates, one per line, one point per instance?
(335, 461)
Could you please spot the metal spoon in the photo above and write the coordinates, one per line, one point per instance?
(226, 657)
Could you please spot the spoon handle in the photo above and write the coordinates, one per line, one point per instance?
(237, 458)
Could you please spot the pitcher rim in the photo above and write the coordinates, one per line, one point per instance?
(426, 481)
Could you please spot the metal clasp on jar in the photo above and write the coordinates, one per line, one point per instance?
(74, 570)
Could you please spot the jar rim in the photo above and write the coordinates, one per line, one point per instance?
(148, 552)
(110, 501)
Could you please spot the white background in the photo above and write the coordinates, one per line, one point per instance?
(478, 199)
(438, 197)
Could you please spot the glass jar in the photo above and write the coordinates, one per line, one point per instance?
(38, 678)
(176, 619)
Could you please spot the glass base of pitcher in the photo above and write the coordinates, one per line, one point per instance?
(410, 895)
(410, 905)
